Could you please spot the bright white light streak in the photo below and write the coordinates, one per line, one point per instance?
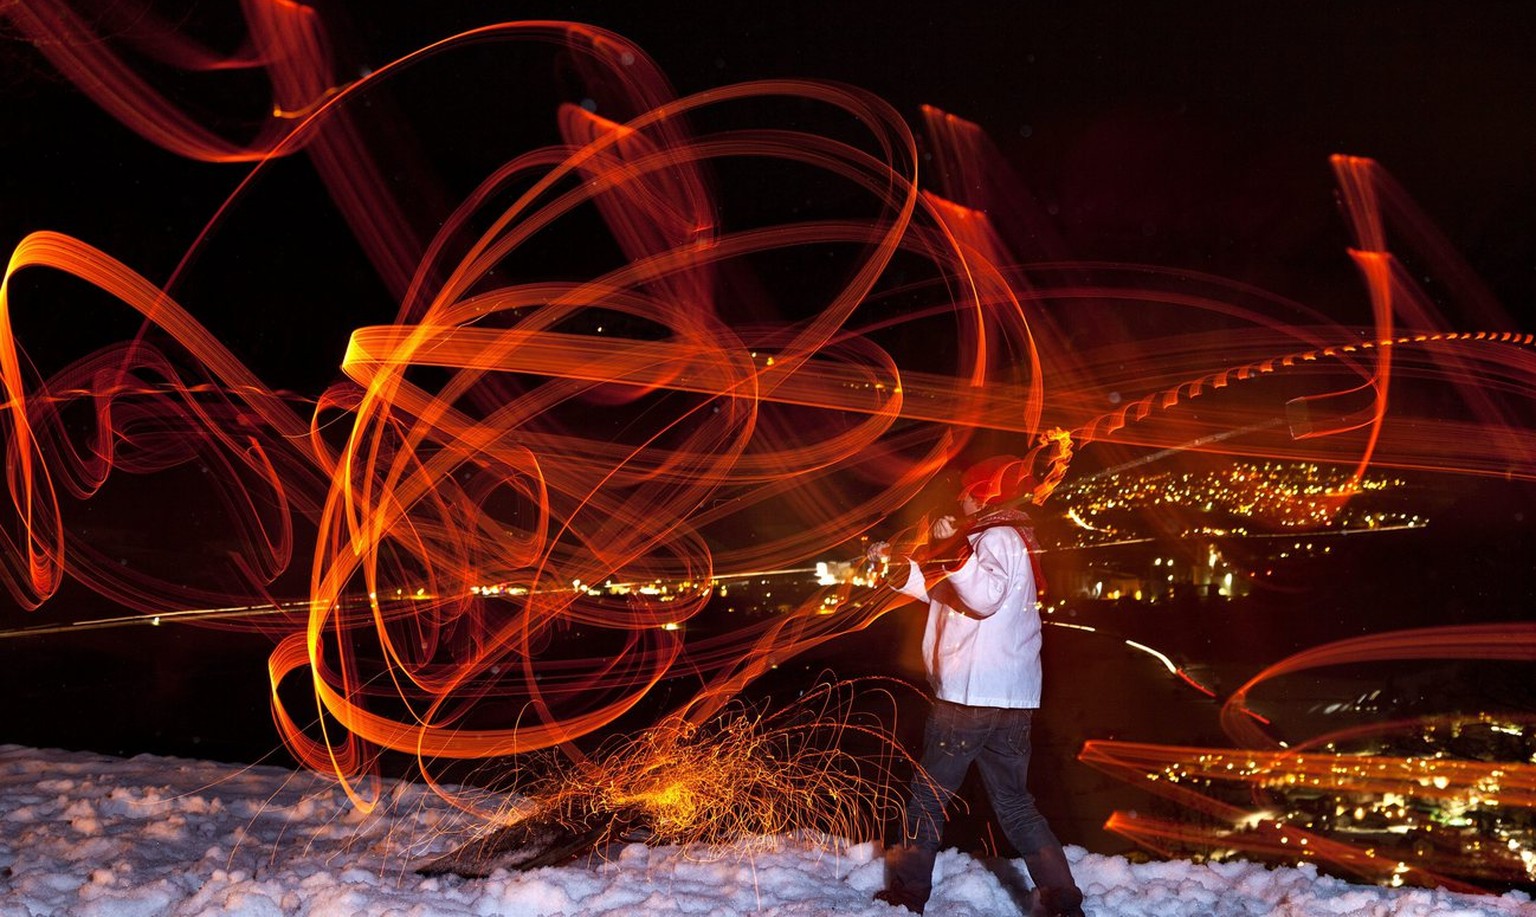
(164, 617)
(1091, 630)
(1173, 669)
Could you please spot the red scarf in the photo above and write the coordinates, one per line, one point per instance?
(954, 551)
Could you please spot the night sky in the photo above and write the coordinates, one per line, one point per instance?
(1196, 139)
(1195, 136)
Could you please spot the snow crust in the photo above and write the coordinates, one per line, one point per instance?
(83, 834)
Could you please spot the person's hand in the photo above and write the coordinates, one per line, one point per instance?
(944, 527)
(878, 554)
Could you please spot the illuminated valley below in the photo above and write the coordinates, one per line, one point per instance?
(1146, 635)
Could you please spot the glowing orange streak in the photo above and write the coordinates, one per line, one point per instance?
(364, 409)
(1375, 263)
(649, 210)
(1372, 196)
(291, 654)
(651, 364)
(1511, 783)
(63, 253)
(1278, 841)
(983, 272)
(395, 508)
(1254, 834)
(926, 397)
(1166, 770)
(1357, 732)
(44, 550)
(557, 363)
(433, 742)
(972, 172)
(1513, 641)
(159, 308)
(884, 123)
(1376, 266)
(386, 732)
(78, 53)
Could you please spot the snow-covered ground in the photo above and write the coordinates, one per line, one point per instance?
(91, 835)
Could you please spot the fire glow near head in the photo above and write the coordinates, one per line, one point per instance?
(712, 390)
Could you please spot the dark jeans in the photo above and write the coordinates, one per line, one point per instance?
(997, 740)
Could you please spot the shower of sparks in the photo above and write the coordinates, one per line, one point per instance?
(740, 778)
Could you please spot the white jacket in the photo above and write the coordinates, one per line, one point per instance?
(990, 656)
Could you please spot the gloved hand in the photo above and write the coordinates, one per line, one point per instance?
(943, 528)
(877, 561)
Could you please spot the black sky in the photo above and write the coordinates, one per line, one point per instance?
(1191, 135)
(1194, 133)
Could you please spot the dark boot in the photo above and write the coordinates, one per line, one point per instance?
(908, 877)
(1056, 894)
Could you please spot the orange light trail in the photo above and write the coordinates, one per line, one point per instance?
(673, 406)
(1192, 776)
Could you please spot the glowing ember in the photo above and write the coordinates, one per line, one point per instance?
(740, 779)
